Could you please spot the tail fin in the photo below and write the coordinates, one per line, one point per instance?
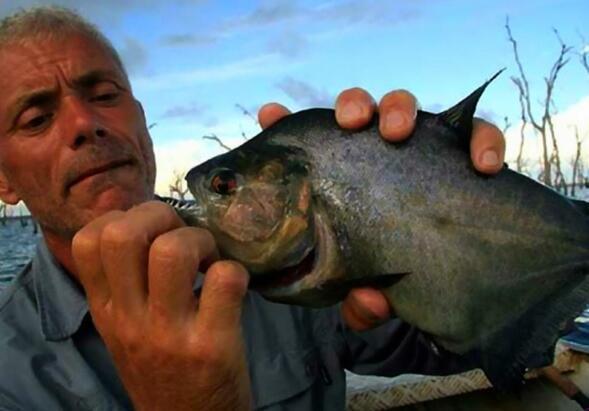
(505, 356)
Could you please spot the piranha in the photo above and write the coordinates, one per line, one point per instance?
(490, 265)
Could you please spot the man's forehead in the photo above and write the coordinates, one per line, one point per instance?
(38, 65)
(32, 59)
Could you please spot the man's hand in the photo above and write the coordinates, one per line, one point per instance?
(365, 308)
(172, 351)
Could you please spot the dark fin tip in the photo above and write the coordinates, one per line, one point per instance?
(530, 341)
(460, 116)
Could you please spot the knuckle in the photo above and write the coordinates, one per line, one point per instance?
(171, 247)
(166, 344)
(121, 234)
(225, 271)
(84, 244)
(209, 354)
(485, 134)
(187, 244)
(228, 278)
(160, 209)
(354, 93)
(129, 336)
(398, 98)
(480, 123)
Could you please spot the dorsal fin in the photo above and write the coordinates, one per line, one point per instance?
(460, 116)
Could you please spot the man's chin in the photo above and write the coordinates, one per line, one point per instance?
(118, 189)
(116, 198)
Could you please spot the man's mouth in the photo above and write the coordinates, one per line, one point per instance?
(98, 170)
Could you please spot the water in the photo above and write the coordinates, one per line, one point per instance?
(17, 245)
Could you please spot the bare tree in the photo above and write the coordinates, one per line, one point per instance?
(552, 174)
(218, 140)
(178, 186)
(577, 164)
(3, 212)
(247, 113)
(584, 54)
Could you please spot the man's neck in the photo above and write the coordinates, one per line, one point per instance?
(61, 249)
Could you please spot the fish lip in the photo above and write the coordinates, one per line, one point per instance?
(261, 283)
(304, 266)
(97, 170)
(274, 285)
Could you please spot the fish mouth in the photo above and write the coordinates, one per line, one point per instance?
(285, 277)
(97, 170)
(322, 263)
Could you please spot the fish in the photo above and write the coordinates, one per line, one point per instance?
(487, 267)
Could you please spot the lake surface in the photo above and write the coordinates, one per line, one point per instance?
(17, 244)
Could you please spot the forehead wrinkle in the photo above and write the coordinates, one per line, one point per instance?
(94, 76)
(42, 95)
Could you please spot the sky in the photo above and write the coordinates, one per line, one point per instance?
(196, 64)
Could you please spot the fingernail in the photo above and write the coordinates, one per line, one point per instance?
(490, 159)
(395, 120)
(351, 111)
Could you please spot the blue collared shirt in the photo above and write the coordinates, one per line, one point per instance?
(52, 358)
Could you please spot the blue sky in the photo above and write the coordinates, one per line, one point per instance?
(192, 61)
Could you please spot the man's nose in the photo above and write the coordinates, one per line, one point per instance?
(85, 125)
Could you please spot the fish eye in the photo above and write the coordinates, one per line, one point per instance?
(224, 182)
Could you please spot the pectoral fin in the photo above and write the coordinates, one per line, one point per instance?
(378, 282)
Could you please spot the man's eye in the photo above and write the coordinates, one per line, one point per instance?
(105, 97)
(37, 121)
(104, 92)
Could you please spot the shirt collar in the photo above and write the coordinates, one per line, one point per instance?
(62, 303)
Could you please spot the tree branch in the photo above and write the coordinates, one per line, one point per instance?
(218, 140)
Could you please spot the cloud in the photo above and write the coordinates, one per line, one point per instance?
(263, 64)
(435, 108)
(192, 110)
(349, 12)
(267, 13)
(103, 11)
(305, 94)
(288, 44)
(488, 114)
(189, 40)
(179, 156)
(134, 55)
(565, 122)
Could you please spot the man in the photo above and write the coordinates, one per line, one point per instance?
(105, 317)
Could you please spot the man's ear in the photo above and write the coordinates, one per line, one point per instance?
(7, 193)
